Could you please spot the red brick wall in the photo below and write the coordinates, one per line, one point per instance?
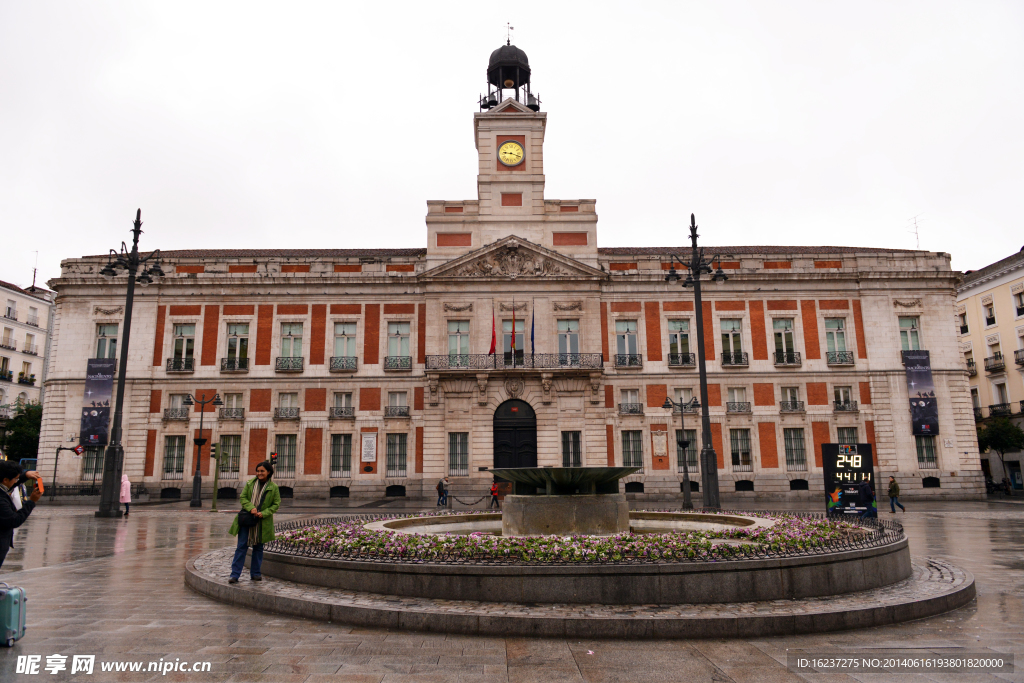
(452, 209)
(292, 309)
(625, 307)
(264, 333)
(609, 396)
(604, 331)
(858, 325)
(759, 336)
(259, 401)
(189, 269)
(730, 306)
(709, 332)
(419, 449)
(833, 304)
(239, 310)
(716, 441)
(348, 268)
(242, 269)
(714, 395)
(569, 239)
(656, 394)
(777, 265)
(869, 429)
(209, 394)
(809, 316)
(569, 209)
(502, 139)
(828, 264)
(417, 398)
(294, 268)
(865, 393)
(400, 267)
(610, 444)
(150, 453)
(316, 399)
(369, 398)
(511, 198)
(621, 266)
(154, 400)
(158, 342)
(346, 309)
(186, 310)
(677, 306)
(313, 450)
(726, 265)
(764, 394)
(371, 465)
(257, 448)
(766, 434)
(652, 315)
(817, 394)
(201, 452)
(421, 335)
(820, 431)
(211, 329)
(371, 335)
(784, 305)
(455, 239)
(406, 309)
(318, 334)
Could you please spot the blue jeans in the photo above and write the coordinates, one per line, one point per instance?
(894, 501)
(238, 563)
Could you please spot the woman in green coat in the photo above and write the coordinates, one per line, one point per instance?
(260, 497)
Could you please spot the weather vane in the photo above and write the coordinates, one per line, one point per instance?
(508, 33)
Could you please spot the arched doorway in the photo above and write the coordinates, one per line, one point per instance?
(515, 435)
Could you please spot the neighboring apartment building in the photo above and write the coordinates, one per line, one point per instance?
(368, 371)
(24, 344)
(990, 319)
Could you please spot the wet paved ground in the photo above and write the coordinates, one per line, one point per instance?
(114, 589)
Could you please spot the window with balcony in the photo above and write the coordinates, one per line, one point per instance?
(344, 357)
(739, 440)
(847, 435)
(290, 359)
(11, 311)
(972, 367)
(230, 458)
(395, 457)
(5, 369)
(791, 402)
(106, 341)
(630, 403)
(568, 342)
(962, 321)
(1018, 303)
(572, 449)
(7, 339)
(178, 409)
(174, 457)
(1001, 408)
(287, 406)
(233, 408)
(342, 405)
(844, 399)
(926, 452)
(689, 436)
(989, 312)
(785, 345)
(796, 452)
(684, 395)
(184, 348)
(910, 340)
(679, 343)
(285, 447)
(398, 357)
(732, 342)
(341, 456)
(238, 348)
(994, 362)
(458, 454)
(30, 345)
(627, 351)
(835, 342)
(33, 316)
(397, 404)
(737, 402)
(458, 343)
(633, 448)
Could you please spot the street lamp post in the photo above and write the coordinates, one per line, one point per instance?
(197, 478)
(699, 265)
(129, 261)
(693, 403)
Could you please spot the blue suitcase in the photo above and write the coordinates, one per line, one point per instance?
(12, 614)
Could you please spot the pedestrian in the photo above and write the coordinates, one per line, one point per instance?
(126, 493)
(254, 525)
(12, 476)
(494, 496)
(894, 496)
(444, 493)
(867, 496)
(440, 491)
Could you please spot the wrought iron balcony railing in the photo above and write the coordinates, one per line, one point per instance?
(972, 367)
(977, 414)
(999, 410)
(32, 320)
(289, 364)
(181, 365)
(964, 329)
(787, 358)
(6, 375)
(736, 358)
(682, 360)
(791, 406)
(737, 407)
(232, 413)
(845, 406)
(344, 364)
(989, 322)
(796, 466)
(396, 411)
(995, 363)
(176, 413)
(30, 380)
(234, 365)
(631, 408)
(629, 360)
(32, 349)
(8, 343)
(536, 361)
(398, 362)
(286, 413)
(11, 314)
(743, 467)
(839, 357)
(342, 412)
(1018, 356)
(687, 408)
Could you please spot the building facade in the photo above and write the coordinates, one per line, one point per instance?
(990, 320)
(24, 344)
(513, 339)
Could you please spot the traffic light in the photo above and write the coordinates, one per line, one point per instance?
(213, 450)
(273, 459)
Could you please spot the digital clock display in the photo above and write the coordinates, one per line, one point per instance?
(847, 468)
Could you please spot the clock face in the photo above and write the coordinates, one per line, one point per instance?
(511, 153)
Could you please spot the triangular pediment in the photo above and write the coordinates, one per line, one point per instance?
(512, 258)
(510, 106)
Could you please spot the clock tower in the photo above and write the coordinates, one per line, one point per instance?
(509, 135)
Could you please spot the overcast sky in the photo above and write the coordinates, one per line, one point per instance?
(329, 125)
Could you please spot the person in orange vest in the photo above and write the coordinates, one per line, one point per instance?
(494, 496)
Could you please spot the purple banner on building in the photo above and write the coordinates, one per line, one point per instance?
(924, 410)
(99, 385)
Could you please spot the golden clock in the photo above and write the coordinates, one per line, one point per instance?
(510, 153)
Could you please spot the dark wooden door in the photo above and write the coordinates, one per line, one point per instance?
(515, 435)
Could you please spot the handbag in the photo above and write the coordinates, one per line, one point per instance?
(246, 518)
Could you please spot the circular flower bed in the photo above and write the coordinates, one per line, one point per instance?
(789, 534)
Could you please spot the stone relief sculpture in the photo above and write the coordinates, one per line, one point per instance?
(569, 306)
(510, 262)
(458, 308)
